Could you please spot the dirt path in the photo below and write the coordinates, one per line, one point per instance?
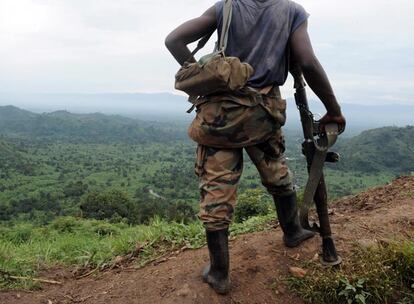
(259, 261)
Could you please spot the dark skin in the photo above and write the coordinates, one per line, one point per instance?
(301, 48)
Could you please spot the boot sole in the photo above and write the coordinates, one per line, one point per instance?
(217, 287)
(220, 290)
(296, 243)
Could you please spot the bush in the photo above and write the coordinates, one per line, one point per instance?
(104, 229)
(148, 208)
(20, 234)
(401, 258)
(181, 211)
(75, 189)
(116, 206)
(377, 275)
(252, 202)
(110, 205)
(65, 224)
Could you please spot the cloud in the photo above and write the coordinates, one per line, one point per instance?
(102, 45)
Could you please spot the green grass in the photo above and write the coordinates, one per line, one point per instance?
(378, 275)
(89, 244)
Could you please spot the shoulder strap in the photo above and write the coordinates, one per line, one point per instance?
(202, 43)
(222, 45)
(227, 15)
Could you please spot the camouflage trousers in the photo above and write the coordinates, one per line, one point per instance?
(219, 172)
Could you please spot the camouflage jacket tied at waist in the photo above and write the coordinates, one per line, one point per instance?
(237, 120)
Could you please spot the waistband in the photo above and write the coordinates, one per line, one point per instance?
(255, 94)
(269, 90)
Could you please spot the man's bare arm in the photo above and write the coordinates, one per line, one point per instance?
(315, 75)
(189, 32)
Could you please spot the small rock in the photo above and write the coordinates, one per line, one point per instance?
(118, 260)
(295, 257)
(367, 243)
(298, 272)
(184, 292)
(138, 249)
(18, 296)
(315, 257)
(281, 289)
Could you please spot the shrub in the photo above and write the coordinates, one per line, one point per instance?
(400, 257)
(252, 202)
(104, 229)
(110, 205)
(181, 211)
(148, 208)
(65, 224)
(377, 275)
(75, 189)
(20, 234)
(353, 292)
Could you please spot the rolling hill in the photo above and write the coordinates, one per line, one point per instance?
(384, 149)
(94, 127)
(171, 107)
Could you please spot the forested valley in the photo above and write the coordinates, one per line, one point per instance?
(125, 170)
(89, 191)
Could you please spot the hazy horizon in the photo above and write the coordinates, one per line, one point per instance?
(165, 107)
(93, 46)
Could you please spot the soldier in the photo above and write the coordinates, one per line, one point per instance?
(262, 33)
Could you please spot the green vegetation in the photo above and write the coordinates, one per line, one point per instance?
(251, 203)
(84, 128)
(83, 190)
(377, 274)
(50, 164)
(91, 244)
(63, 175)
(389, 149)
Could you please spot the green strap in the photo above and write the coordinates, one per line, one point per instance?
(227, 16)
(222, 45)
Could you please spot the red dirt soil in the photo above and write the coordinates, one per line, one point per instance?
(259, 261)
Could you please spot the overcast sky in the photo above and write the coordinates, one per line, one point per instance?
(89, 46)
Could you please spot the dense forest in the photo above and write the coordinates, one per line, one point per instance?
(389, 149)
(127, 170)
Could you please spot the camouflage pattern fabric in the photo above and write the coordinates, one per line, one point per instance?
(219, 172)
(237, 120)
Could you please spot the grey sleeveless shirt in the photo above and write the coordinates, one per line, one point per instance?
(259, 34)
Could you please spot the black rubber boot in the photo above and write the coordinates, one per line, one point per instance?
(287, 210)
(217, 273)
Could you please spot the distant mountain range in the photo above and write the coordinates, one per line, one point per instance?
(170, 107)
(159, 105)
(92, 128)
